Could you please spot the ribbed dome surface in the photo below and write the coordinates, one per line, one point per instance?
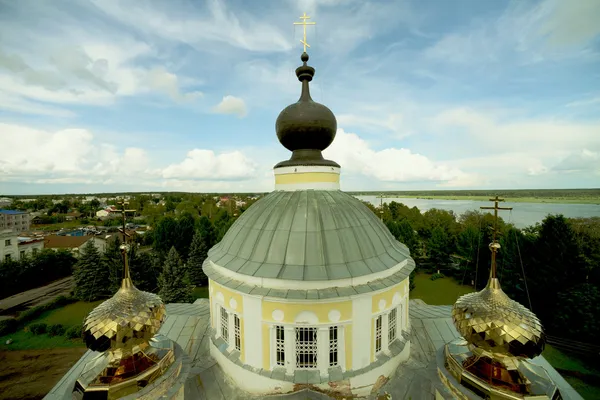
(308, 235)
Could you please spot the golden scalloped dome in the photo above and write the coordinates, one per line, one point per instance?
(493, 322)
(129, 318)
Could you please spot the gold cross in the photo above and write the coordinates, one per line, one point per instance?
(304, 23)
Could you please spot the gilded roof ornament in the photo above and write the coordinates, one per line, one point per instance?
(124, 328)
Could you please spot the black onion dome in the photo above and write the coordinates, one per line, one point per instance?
(306, 127)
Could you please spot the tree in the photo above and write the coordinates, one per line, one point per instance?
(404, 233)
(439, 246)
(113, 260)
(173, 281)
(144, 270)
(577, 315)
(165, 235)
(95, 203)
(185, 233)
(198, 252)
(90, 274)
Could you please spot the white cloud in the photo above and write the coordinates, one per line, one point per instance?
(585, 160)
(231, 105)
(207, 165)
(526, 33)
(184, 22)
(391, 165)
(32, 155)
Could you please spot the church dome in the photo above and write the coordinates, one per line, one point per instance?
(493, 322)
(308, 235)
(131, 317)
(306, 127)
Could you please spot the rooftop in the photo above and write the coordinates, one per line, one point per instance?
(64, 242)
(189, 326)
(11, 212)
(309, 235)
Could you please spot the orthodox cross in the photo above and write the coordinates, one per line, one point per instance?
(124, 246)
(304, 23)
(494, 246)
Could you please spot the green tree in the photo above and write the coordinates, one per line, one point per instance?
(144, 270)
(186, 226)
(173, 282)
(198, 252)
(404, 233)
(95, 204)
(165, 235)
(577, 314)
(439, 246)
(113, 260)
(90, 274)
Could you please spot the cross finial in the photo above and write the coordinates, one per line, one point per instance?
(494, 246)
(304, 17)
(124, 246)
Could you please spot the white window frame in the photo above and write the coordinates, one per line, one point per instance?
(392, 325)
(237, 332)
(306, 348)
(224, 327)
(323, 346)
(378, 339)
(280, 345)
(333, 346)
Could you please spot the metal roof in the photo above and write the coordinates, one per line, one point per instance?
(309, 235)
(11, 212)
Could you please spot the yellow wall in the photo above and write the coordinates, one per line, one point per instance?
(321, 310)
(348, 345)
(266, 338)
(304, 177)
(229, 294)
(388, 295)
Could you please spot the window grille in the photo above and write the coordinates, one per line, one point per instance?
(279, 345)
(378, 334)
(333, 346)
(306, 347)
(224, 325)
(236, 332)
(393, 318)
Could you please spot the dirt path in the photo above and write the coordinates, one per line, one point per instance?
(36, 297)
(30, 374)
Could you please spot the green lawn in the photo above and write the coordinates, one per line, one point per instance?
(443, 291)
(23, 340)
(69, 315)
(558, 359)
(200, 292)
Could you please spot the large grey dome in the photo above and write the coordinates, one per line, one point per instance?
(308, 235)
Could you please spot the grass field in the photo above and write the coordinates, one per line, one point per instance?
(61, 225)
(443, 291)
(560, 360)
(69, 315)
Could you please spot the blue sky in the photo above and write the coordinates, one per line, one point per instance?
(182, 95)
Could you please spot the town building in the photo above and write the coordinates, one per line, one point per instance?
(9, 245)
(17, 221)
(29, 247)
(72, 243)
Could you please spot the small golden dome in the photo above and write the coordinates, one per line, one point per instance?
(129, 318)
(491, 321)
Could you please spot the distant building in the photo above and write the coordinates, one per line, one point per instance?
(9, 245)
(72, 243)
(30, 246)
(5, 201)
(17, 221)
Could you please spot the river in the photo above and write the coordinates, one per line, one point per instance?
(522, 215)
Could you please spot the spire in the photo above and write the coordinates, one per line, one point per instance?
(495, 246)
(124, 246)
(306, 128)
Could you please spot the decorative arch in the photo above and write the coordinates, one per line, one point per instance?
(307, 317)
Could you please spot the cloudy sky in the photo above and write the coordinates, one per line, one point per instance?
(182, 95)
